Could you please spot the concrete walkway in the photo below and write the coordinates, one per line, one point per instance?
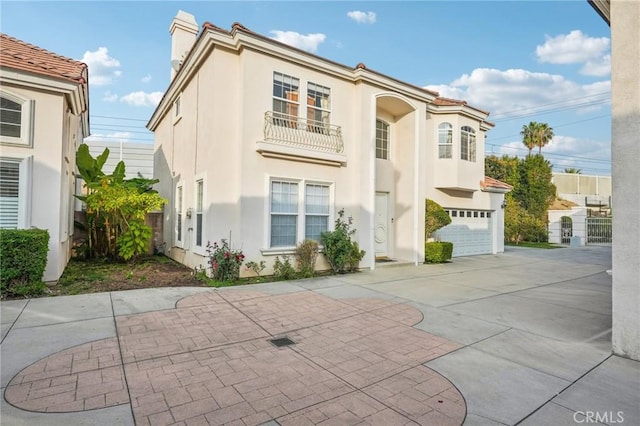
(517, 338)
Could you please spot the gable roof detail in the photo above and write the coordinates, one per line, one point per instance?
(239, 37)
(20, 55)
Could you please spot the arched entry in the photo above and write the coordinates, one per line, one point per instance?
(396, 150)
(566, 230)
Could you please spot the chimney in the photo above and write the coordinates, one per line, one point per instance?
(184, 30)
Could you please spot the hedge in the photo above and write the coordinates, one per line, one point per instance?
(23, 257)
(437, 251)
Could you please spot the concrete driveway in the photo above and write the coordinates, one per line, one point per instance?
(517, 338)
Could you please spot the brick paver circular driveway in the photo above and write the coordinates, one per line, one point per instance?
(212, 360)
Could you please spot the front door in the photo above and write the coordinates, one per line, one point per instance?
(382, 224)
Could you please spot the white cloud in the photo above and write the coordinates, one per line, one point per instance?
(572, 48)
(146, 78)
(577, 48)
(309, 42)
(142, 99)
(598, 67)
(362, 17)
(109, 97)
(103, 69)
(520, 91)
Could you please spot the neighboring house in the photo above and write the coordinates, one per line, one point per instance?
(45, 115)
(590, 191)
(262, 143)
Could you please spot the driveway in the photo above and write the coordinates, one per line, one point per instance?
(521, 337)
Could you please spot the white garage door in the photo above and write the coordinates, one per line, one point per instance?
(470, 231)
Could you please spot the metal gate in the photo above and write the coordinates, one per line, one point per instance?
(566, 230)
(598, 230)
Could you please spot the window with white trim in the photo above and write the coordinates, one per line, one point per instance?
(299, 210)
(285, 100)
(15, 119)
(467, 144)
(445, 140)
(382, 140)
(316, 206)
(318, 108)
(14, 192)
(179, 214)
(199, 211)
(284, 214)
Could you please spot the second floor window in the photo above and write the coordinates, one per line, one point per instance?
(285, 99)
(445, 140)
(318, 107)
(11, 116)
(467, 144)
(382, 140)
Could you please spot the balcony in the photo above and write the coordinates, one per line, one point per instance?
(296, 138)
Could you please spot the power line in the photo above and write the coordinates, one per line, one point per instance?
(124, 131)
(554, 110)
(556, 126)
(119, 118)
(96, 138)
(551, 153)
(119, 125)
(552, 103)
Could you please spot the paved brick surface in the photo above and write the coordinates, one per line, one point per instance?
(210, 362)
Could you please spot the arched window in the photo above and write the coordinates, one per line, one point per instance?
(445, 140)
(467, 143)
(15, 119)
(382, 140)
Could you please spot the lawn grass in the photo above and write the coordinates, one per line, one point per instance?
(529, 244)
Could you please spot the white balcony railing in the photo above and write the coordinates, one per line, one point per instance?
(301, 133)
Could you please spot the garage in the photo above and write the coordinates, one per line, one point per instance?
(470, 231)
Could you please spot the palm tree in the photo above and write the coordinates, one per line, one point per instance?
(528, 135)
(573, 170)
(536, 134)
(544, 134)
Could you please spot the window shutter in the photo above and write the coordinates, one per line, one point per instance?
(9, 191)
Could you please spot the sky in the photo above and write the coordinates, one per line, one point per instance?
(545, 61)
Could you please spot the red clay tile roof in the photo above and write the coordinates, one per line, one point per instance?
(494, 183)
(448, 102)
(19, 55)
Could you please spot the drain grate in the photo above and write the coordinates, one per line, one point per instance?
(282, 341)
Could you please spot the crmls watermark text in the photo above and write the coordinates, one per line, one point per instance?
(607, 417)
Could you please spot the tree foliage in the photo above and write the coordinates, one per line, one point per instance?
(115, 208)
(573, 170)
(533, 191)
(434, 217)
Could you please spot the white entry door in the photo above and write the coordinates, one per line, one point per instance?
(382, 224)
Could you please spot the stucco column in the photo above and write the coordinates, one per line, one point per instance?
(625, 54)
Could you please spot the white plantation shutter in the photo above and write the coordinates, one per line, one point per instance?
(9, 191)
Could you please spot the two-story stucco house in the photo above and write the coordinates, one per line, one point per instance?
(45, 114)
(262, 143)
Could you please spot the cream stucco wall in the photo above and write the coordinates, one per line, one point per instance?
(56, 133)
(625, 94)
(220, 138)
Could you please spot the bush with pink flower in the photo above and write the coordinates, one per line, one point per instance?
(223, 261)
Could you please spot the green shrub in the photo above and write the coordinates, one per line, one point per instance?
(437, 251)
(23, 257)
(434, 217)
(342, 254)
(283, 270)
(307, 253)
(224, 262)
